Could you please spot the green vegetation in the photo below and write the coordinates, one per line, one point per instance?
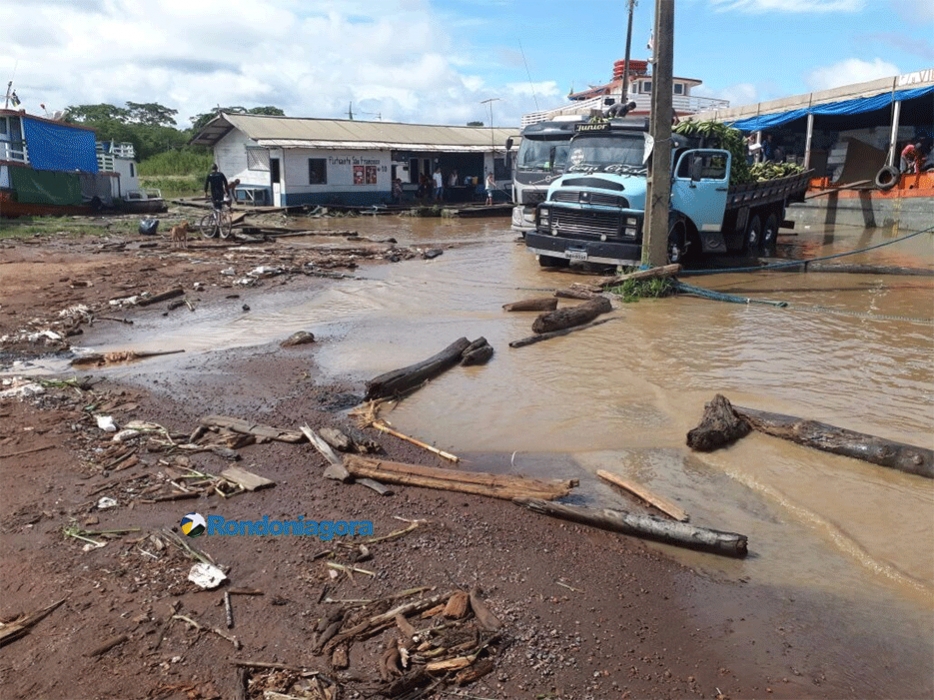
(716, 135)
(633, 290)
(173, 186)
(185, 161)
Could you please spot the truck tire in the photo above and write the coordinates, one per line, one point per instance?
(753, 234)
(770, 231)
(887, 178)
(552, 262)
(677, 244)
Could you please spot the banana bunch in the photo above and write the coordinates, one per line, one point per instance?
(762, 172)
(713, 134)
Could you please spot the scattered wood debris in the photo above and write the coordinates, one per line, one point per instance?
(20, 627)
(663, 504)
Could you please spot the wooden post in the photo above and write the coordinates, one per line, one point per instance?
(658, 193)
(807, 142)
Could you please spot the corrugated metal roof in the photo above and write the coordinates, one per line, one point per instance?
(292, 132)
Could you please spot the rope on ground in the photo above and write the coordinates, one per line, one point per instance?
(803, 263)
(683, 288)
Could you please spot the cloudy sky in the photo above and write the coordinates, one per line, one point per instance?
(436, 61)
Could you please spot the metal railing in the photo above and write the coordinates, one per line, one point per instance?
(684, 104)
(14, 151)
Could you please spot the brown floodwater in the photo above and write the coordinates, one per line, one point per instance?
(853, 350)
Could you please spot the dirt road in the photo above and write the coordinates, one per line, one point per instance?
(583, 613)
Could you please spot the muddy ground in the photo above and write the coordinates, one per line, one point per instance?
(584, 613)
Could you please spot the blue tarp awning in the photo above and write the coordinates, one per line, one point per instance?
(855, 106)
(55, 146)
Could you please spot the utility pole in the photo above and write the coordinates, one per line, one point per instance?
(624, 96)
(658, 192)
(492, 134)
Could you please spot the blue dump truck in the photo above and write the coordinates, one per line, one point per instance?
(594, 212)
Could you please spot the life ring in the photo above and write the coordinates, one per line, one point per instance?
(887, 177)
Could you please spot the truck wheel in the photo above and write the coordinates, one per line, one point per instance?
(552, 262)
(753, 234)
(677, 245)
(770, 232)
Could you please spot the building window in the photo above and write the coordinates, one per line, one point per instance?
(647, 87)
(257, 159)
(317, 171)
(3, 125)
(132, 170)
(679, 88)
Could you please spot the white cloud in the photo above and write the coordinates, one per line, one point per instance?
(737, 95)
(849, 71)
(545, 88)
(309, 57)
(802, 6)
(915, 10)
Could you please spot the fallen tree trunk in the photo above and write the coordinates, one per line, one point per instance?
(478, 352)
(541, 304)
(238, 425)
(532, 339)
(572, 316)
(571, 293)
(829, 438)
(729, 544)
(720, 426)
(495, 485)
(651, 273)
(400, 381)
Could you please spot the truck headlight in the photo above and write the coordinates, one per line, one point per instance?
(544, 217)
(631, 232)
(632, 221)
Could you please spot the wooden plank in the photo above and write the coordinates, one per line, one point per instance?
(238, 425)
(246, 480)
(651, 273)
(642, 492)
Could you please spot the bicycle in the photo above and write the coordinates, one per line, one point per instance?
(218, 222)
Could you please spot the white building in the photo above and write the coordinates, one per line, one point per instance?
(286, 161)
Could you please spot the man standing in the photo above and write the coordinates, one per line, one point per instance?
(217, 182)
(439, 184)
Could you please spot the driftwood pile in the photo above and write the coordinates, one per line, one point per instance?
(556, 322)
(723, 424)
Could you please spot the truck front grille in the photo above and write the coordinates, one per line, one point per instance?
(587, 223)
(533, 196)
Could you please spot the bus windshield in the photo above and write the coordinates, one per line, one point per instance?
(542, 155)
(592, 153)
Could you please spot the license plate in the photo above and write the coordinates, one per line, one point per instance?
(576, 254)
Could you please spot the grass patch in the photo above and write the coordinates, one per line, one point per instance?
(634, 290)
(173, 186)
(184, 162)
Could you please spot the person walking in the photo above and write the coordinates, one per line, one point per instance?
(490, 188)
(216, 181)
(439, 184)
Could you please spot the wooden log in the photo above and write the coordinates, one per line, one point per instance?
(401, 381)
(572, 315)
(478, 352)
(651, 273)
(156, 298)
(497, 485)
(829, 438)
(239, 425)
(719, 426)
(539, 304)
(335, 469)
(457, 605)
(574, 294)
(663, 504)
(728, 544)
(532, 339)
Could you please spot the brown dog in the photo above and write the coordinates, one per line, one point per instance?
(179, 235)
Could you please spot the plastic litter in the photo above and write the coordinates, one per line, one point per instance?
(206, 576)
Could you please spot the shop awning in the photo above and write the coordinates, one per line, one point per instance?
(856, 106)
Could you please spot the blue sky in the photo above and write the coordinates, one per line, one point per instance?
(436, 61)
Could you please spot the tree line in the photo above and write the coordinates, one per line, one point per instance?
(150, 126)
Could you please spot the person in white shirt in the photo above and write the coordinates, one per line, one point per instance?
(439, 184)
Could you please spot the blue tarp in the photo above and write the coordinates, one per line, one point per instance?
(856, 106)
(61, 147)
